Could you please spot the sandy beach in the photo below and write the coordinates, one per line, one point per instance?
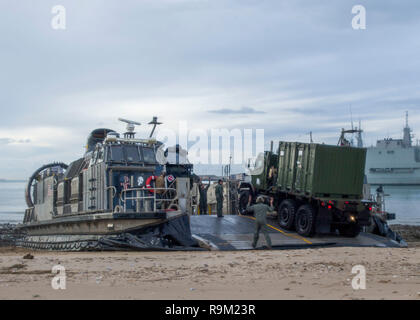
(323, 273)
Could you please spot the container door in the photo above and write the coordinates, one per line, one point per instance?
(282, 167)
(310, 168)
(300, 170)
(303, 162)
(291, 155)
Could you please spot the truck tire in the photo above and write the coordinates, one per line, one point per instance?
(286, 214)
(243, 202)
(305, 220)
(349, 230)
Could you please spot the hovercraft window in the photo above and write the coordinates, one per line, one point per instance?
(117, 154)
(149, 155)
(133, 154)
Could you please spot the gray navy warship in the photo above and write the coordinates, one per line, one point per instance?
(394, 161)
(108, 199)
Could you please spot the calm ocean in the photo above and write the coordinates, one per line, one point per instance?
(12, 201)
(404, 201)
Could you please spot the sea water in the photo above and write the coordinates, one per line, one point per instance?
(12, 202)
(404, 201)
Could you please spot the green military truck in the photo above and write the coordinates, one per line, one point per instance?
(317, 188)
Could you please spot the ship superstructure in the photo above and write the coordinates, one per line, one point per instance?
(394, 161)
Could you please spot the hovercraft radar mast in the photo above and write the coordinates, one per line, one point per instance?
(155, 123)
(131, 125)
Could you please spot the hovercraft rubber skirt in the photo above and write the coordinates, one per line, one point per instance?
(171, 235)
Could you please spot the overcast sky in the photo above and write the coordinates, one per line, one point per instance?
(289, 67)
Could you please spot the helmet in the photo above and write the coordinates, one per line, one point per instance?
(260, 199)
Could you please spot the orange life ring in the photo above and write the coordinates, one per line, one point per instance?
(148, 183)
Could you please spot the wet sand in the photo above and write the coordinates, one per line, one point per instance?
(323, 273)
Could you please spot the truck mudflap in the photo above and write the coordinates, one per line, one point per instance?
(363, 218)
(323, 221)
(174, 234)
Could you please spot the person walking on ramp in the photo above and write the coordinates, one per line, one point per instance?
(260, 212)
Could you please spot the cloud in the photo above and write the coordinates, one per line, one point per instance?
(243, 110)
(4, 141)
(179, 59)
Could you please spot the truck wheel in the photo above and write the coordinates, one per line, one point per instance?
(305, 220)
(349, 230)
(286, 214)
(243, 201)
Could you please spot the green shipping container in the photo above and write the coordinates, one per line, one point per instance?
(317, 170)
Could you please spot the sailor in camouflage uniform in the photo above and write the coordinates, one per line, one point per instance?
(219, 198)
(203, 197)
(260, 212)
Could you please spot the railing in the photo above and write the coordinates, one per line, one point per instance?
(148, 200)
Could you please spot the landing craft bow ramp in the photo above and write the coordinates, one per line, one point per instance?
(235, 232)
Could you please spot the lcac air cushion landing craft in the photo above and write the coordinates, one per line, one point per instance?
(110, 197)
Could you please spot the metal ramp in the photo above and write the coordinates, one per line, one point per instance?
(233, 232)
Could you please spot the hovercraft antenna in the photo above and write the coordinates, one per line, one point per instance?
(130, 134)
(155, 123)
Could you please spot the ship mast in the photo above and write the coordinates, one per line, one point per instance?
(343, 142)
(407, 133)
(359, 135)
